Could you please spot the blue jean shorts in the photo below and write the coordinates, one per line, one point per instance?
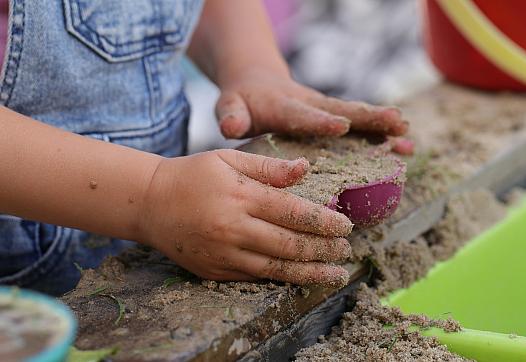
(49, 258)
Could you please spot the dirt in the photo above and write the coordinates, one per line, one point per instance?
(467, 215)
(336, 163)
(463, 128)
(362, 334)
(403, 262)
(515, 196)
(450, 145)
(372, 332)
(167, 313)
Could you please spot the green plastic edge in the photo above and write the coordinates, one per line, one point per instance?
(471, 343)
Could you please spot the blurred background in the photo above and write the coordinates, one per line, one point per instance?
(367, 50)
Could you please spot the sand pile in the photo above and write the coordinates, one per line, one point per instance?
(361, 335)
(335, 163)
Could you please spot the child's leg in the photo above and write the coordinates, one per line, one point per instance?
(46, 257)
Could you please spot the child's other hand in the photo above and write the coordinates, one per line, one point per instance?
(261, 101)
(221, 215)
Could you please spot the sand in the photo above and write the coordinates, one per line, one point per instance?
(335, 163)
(180, 311)
(467, 215)
(167, 313)
(372, 332)
(515, 196)
(456, 131)
(361, 335)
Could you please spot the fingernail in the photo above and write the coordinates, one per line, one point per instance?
(403, 146)
(231, 127)
(294, 171)
(299, 161)
(346, 224)
(345, 121)
(337, 277)
(404, 127)
(301, 164)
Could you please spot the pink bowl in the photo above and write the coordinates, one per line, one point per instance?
(368, 205)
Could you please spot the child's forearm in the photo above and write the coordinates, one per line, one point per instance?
(62, 178)
(233, 36)
(58, 177)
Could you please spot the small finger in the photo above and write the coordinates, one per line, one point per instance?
(297, 118)
(267, 170)
(296, 213)
(402, 146)
(301, 273)
(233, 115)
(283, 243)
(365, 117)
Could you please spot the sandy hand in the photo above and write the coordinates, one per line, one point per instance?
(222, 215)
(260, 102)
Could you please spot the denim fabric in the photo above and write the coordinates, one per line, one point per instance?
(104, 69)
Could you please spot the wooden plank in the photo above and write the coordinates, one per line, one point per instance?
(505, 170)
(264, 326)
(307, 329)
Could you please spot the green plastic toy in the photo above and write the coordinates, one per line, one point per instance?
(484, 288)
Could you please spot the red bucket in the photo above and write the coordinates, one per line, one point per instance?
(479, 43)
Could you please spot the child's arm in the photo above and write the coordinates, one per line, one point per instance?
(208, 211)
(59, 177)
(233, 44)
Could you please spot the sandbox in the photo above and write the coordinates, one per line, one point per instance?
(150, 309)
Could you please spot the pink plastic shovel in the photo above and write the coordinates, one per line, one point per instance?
(370, 204)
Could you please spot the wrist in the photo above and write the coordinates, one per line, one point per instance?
(238, 72)
(153, 208)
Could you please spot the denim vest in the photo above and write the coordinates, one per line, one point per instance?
(104, 69)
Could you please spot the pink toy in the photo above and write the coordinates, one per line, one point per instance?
(368, 205)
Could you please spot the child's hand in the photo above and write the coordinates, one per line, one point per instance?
(221, 215)
(261, 101)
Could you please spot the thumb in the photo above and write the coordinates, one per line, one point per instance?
(267, 170)
(233, 115)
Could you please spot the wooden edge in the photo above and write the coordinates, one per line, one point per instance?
(274, 319)
(503, 171)
(305, 332)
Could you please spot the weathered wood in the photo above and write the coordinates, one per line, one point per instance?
(307, 329)
(505, 170)
(285, 314)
